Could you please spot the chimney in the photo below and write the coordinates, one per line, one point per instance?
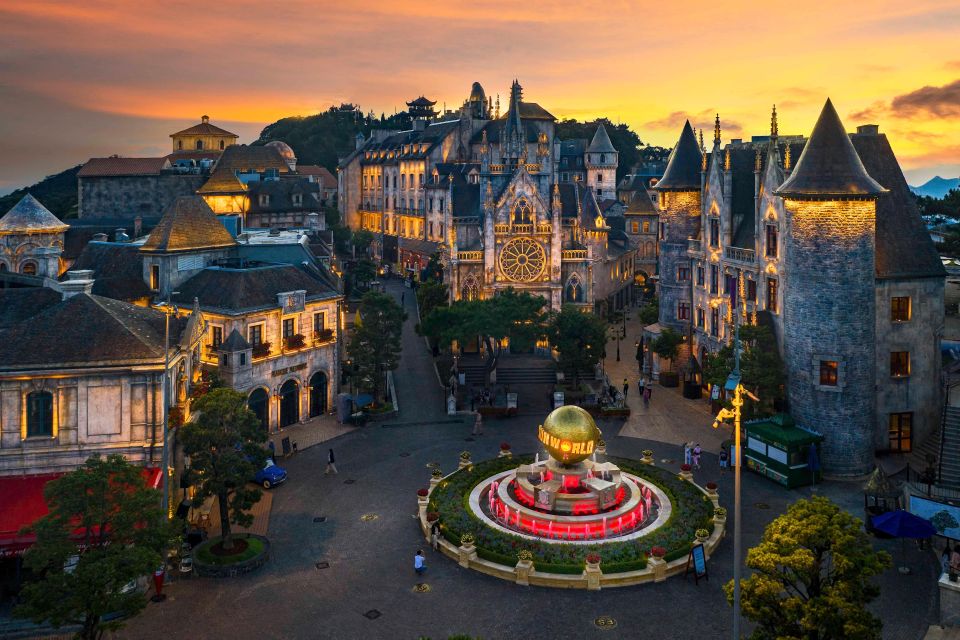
(79, 281)
(99, 237)
(205, 119)
(868, 130)
(120, 235)
(137, 226)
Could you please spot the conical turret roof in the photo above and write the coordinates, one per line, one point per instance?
(601, 142)
(29, 216)
(829, 165)
(683, 167)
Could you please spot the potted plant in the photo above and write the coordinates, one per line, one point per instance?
(647, 456)
(593, 560)
(719, 515)
(702, 535)
(261, 350)
(667, 347)
(436, 474)
(423, 496)
(712, 490)
(467, 540)
(505, 450)
(658, 552)
(432, 516)
(525, 555)
(685, 473)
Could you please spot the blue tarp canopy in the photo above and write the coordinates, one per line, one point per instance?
(903, 524)
(362, 399)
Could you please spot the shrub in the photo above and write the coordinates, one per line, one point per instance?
(647, 453)
(720, 512)
(524, 555)
(467, 538)
(464, 455)
(593, 558)
(658, 552)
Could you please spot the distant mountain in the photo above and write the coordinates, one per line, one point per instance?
(936, 187)
(58, 193)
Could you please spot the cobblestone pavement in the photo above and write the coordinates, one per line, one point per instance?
(370, 559)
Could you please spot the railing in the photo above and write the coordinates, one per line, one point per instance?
(324, 335)
(371, 208)
(740, 255)
(496, 168)
(410, 211)
(470, 256)
(522, 228)
(544, 228)
(693, 246)
(573, 254)
(294, 342)
(533, 168)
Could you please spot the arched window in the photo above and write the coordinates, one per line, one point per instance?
(521, 212)
(603, 158)
(221, 145)
(199, 145)
(28, 268)
(40, 414)
(470, 289)
(574, 290)
(3, 266)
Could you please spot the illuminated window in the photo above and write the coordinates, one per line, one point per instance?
(255, 334)
(899, 364)
(40, 414)
(771, 241)
(771, 295)
(701, 317)
(179, 145)
(403, 181)
(288, 329)
(683, 274)
(683, 311)
(900, 308)
(646, 226)
(828, 373)
(634, 227)
(216, 336)
(715, 322)
(154, 277)
(900, 426)
(714, 279)
(28, 268)
(714, 232)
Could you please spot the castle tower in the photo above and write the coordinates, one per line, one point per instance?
(679, 191)
(829, 323)
(514, 140)
(477, 103)
(601, 163)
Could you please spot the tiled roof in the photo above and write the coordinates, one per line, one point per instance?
(533, 111)
(829, 165)
(117, 166)
(247, 158)
(204, 129)
(86, 330)
(30, 216)
(19, 304)
(188, 224)
(224, 181)
(423, 247)
(683, 167)
(231, 290)
(281, 194)
(326, 179)
(117, 270)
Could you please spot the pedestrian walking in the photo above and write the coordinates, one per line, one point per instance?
(647, 393)
(687, 452)
(697, 451)
(435, 535)
(419, 563)
(273, 451)
(477, 424)
(626, 387)
(641, 384)
(724, 461)
(331, 464)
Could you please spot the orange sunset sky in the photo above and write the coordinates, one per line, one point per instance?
(94, 78)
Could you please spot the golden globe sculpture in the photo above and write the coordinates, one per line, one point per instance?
(569, 434)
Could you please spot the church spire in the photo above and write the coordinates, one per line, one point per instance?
(774, 129)
(716, 131)
(703, 149)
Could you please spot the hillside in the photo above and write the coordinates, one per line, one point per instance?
(936, 187)
(58, 193)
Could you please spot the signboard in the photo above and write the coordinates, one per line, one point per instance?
(944, 517)
(557, 399)
(697, 560)
(511, 401)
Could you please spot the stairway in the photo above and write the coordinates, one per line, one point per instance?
(474, 370)
(950, 451)
(523, 369)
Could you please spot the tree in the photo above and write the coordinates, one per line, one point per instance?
(624, 140)
(578, 337)
(667, 345)
(649, 313)
(943, 520)
(811, 577)
(104, 530)
(225, 445)
(362, 239)
(376, 342)
(433, 270)
(430, 295)
(761, 368)
(363, 273)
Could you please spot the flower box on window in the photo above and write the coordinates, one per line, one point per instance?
(296, 341)
(261, 350)
(323, 335)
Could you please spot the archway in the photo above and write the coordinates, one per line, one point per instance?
(258, 402)
(318, 394)
(289, 403)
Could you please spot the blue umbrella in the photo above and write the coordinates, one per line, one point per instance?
(903, 524)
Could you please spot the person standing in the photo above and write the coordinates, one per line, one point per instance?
(331, 464)
(419, 564)
(697, 451)
(647, 393)
(477, 424)
(403, 296)
(626, 387)
(435, 534)
(724, 461)
(687, 452)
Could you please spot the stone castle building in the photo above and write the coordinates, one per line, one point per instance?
(820, 239)
(502, 198)
(31, 240)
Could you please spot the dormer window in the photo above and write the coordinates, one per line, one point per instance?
(298, 199)
(264, 200)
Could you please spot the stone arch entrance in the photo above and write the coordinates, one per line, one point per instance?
(318, 394)
(289, 403)
(259, 403)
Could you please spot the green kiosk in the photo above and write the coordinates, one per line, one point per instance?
(780, 450)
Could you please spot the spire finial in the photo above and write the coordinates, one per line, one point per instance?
(726, 160)
(757, 161)
(774, 129)
(703, 149)
(716, 130)
(786, 157)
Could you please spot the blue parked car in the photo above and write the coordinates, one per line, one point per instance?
(271, 475)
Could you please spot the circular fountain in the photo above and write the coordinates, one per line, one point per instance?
(570, 496)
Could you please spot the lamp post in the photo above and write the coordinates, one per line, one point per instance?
(165, 457)
(734, 385)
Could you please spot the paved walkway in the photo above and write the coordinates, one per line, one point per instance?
(260, 512)
(366, 543)
(310, 433)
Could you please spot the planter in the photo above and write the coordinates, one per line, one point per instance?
(720, 521)
(467, 552)
(713, 491)
(691, 390)
(659, 568)
(233, 569)
(434, 482)
(592, 573)
(505, 453)
(523, 570)
(647, 457)
(686, 475)
(669, 379)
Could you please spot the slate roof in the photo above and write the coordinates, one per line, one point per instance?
(683, 167)
(574, 147)
(495, 128)
(29, 216)
(326, 179)
(19, 304)
(904, 247)
(82, 230)
(281, 194)
(533, 111)
(236, 290)
(601, 142)
(117, 270)
(235, 342)
(223, 180)
(829, 165)
(252, 159)
(434, 132)
(188, 224)
(87, 330)
(204, 129)
(117, 166)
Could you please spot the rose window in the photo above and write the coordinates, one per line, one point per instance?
(522, 260)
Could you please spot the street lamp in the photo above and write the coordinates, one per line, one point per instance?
(733, 385)
(165, 457)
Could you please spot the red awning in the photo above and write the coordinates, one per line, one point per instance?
(22, 504)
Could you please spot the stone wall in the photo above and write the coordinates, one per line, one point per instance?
(828, 314)
(127, 197)
(919, 393)
(679, 220)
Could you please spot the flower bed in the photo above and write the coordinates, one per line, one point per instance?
(692, 510)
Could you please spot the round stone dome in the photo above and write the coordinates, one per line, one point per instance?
(285, 150)
(477, 93)
(569, 434)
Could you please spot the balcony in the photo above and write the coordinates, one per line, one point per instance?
(323, 336)
(370, 208)
(693, 247)
(410, 211)
(736, 254)
(573, 254)
(295, 342)
(470, 256)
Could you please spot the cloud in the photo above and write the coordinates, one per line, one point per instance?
(875, 111)
(943, 102)
(701, 120)
(952, 65)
